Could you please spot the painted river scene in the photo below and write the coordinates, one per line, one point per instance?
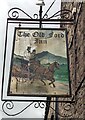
(39, 64)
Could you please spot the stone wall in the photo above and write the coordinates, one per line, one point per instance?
(76, 48)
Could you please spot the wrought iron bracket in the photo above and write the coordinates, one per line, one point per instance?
(61, 17)
(9, 106)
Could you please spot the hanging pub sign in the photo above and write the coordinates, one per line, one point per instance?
(38, 63)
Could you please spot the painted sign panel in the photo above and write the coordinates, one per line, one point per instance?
(39, 63)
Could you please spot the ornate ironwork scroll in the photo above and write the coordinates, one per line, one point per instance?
(66, 14)
(8, 106)
(39, 104)
(66, 109)
(15, 13)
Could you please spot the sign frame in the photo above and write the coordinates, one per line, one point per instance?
(14, 96)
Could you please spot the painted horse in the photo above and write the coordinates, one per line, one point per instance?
(45, 73)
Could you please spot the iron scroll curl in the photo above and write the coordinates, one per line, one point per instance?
(8, 106)
(39, 104)
(15, 13)
(66, 109)
(66, 14)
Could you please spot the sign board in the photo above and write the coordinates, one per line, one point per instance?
(39, 64)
